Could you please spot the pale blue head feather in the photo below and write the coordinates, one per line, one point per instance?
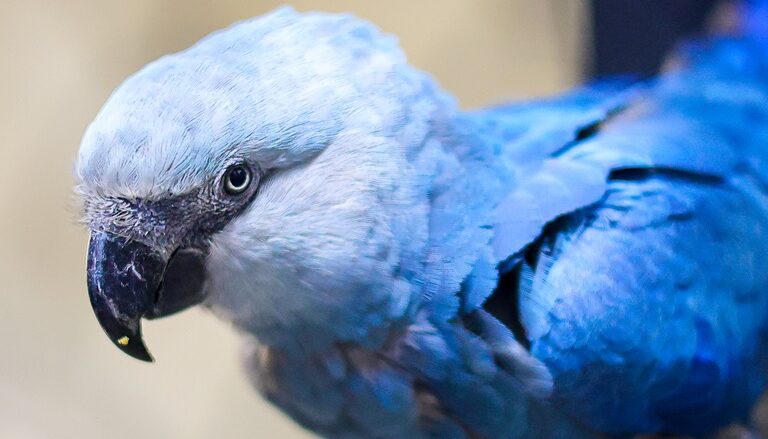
(277, 88)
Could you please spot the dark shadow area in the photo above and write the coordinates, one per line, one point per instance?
(633, 37)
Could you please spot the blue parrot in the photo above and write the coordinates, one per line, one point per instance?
(588, 264)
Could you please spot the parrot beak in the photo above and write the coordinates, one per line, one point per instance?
(123, 279)
(128, 280)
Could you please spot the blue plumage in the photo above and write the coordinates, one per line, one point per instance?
(589, 263)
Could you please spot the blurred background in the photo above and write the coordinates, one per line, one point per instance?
(59, 375)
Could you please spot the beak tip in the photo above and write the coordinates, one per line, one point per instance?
(135, 347)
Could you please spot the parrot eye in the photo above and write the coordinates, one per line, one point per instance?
(237, 179)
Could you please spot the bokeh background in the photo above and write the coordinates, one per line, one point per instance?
(59, 375)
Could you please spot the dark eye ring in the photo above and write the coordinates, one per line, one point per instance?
(237, 179)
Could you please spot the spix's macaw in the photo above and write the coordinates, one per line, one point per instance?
(590, 263)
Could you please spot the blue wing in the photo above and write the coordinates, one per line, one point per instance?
(492, 150)
(638, 249)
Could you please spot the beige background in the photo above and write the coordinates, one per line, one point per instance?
(59, 60)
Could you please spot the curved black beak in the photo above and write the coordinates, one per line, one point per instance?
(128, 281)
(123, 281)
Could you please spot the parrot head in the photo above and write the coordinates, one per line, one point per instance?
(263, 172)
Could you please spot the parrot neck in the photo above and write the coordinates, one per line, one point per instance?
(394, 245)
